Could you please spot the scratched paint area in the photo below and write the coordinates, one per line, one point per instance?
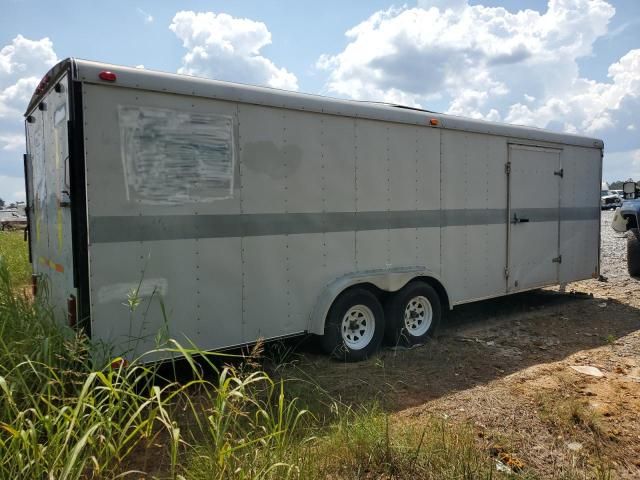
(176, 157)
(120, 292)
(36, 150)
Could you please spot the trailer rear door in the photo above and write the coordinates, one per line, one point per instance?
(534, 217)
(47, 170)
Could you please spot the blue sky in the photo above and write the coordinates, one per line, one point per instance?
(571, 65)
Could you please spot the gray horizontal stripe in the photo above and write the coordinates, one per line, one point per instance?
(538, 214)
(584, 213)
(462, 217)
(110, 229)
(562, 214)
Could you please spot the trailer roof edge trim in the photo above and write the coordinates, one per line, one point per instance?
(89, 71)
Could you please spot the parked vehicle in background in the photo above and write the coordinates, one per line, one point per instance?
(14, 219)
(256, 213)
(627, 219)
(610, 200)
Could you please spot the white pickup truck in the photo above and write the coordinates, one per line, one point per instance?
(610, 199)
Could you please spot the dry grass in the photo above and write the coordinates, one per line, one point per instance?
(566, 414)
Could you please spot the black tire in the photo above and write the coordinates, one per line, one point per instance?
(333, 341)
(410, 297)
(633, 252)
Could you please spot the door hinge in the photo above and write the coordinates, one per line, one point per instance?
(558, 259)
(507, 168)
(506, 272)
(560, 172)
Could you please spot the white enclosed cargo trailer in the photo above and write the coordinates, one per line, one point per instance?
(250, 213)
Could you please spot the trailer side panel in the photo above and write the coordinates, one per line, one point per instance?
(227, 221)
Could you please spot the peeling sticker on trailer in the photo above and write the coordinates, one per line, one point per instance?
(176, 157)
(60, 114)
(47, 262)
(120, 292)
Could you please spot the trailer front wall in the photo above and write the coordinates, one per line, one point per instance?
(49, 192)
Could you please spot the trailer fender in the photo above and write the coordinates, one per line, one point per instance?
(389, 280)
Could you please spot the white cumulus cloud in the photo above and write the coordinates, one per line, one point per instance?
(14, 98)
(469, 53)
(489, 62)
(23, 62)
(11, 141)
(606, 109)
(11, 188)
(227, 48)
(622, 165)
(24, 57)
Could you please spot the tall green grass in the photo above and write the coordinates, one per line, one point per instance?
(64, 416)
(66, 412)
(13, 250)
(59, 417)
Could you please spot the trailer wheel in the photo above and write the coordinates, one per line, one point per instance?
(413, 314)
(354, 327)
(633, 252)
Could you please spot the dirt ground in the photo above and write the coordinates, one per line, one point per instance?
(505, 366)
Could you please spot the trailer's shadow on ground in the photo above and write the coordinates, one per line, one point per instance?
(479, 343)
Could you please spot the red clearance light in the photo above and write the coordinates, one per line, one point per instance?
(107, 76)
(434, 122)
(43, 83)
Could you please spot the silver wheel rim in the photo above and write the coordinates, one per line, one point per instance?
(358, 327)
(418, 316)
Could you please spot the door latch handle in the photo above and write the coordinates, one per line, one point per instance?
(519, 220)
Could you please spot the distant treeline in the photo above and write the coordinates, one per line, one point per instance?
(617, 185)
